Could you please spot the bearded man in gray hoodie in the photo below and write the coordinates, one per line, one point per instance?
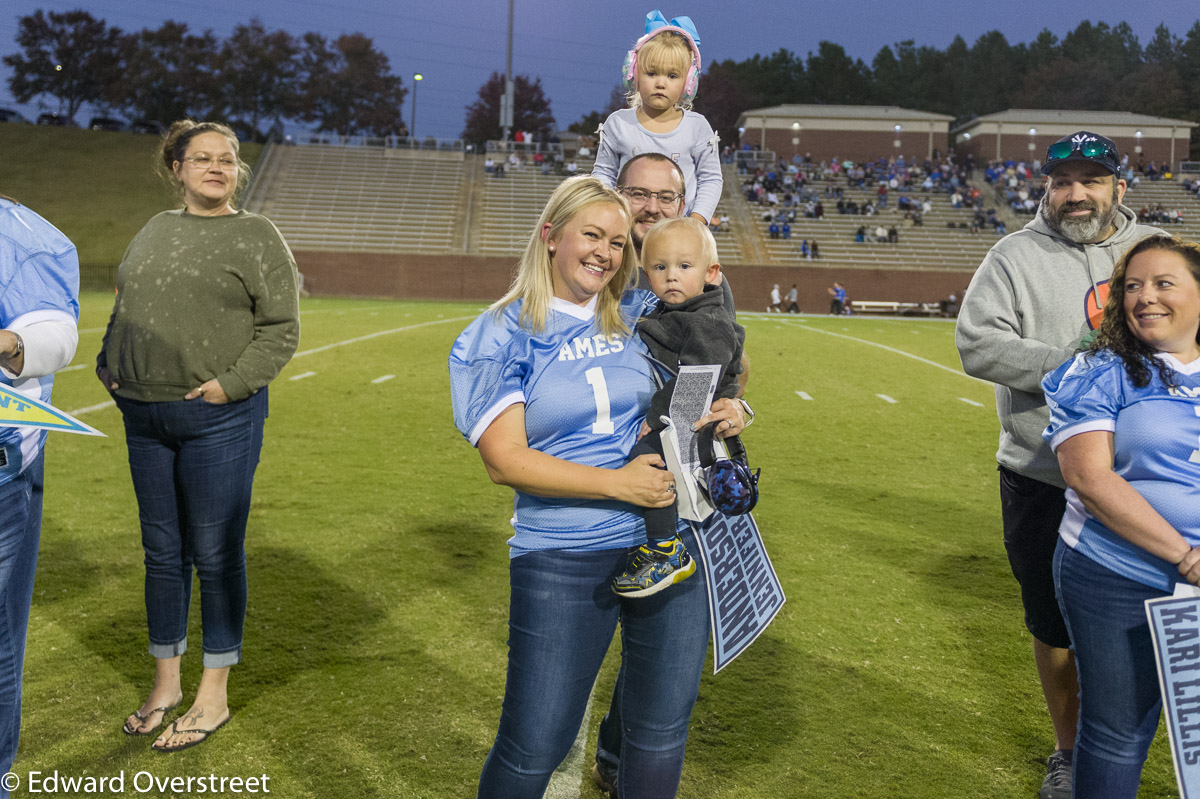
(1037, 294)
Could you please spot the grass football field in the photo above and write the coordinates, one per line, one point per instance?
(375, 637)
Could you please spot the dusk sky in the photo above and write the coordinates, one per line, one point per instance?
(577, 48)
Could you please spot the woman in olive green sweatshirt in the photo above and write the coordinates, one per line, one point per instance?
(205, 317)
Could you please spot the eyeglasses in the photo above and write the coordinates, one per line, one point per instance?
(1096, 150)
(642, 196)
(225, 164)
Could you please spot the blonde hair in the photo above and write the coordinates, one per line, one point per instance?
(175, 146)
(708, 245)
(533, 284)
(666, 51)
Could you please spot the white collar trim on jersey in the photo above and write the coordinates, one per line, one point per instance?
(1178, 365)
(583, 312)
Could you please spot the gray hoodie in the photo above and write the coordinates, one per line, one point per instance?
(1024, 314)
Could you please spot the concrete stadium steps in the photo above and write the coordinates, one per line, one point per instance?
(1170, 195)
(366, 199)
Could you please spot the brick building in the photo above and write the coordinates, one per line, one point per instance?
(856, 132)
(1022, 134)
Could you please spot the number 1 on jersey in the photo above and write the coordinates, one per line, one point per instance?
(603, 425)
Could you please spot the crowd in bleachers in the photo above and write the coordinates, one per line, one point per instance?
(1018, 184)
(778, 188)
(552, 163)
(1157, 215)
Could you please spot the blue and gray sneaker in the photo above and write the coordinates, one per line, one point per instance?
(653, 567)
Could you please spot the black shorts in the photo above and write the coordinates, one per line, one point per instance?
(1032, 511)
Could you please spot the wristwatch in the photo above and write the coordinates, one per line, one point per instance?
(748, 411)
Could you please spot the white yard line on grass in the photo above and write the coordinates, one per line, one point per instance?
(98, 407)
(370, 336)
(804, 395)
(971, 402)
(887, 399)
(383, 379)
(565, 782)
(943, 367)
(74, 368)
(110, 403)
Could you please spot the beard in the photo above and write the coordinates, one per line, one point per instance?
(1084, 229)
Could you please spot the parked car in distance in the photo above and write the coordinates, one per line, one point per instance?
(60, 120)
(147, 126)
(108, 123)
(9, 115)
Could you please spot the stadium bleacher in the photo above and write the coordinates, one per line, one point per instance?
(363, 199)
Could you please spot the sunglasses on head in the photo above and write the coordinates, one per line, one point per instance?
(1097, 150)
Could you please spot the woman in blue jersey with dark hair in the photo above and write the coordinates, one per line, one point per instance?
(552, 388)
(1125, 424)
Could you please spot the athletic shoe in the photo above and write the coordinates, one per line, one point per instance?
(653, 567)
(605, 777)
(1057, 784)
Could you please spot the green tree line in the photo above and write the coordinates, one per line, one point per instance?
(1094, 67)
(253, 78)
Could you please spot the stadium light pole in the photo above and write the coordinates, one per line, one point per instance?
(412, 129)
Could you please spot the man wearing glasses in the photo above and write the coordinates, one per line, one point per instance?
(1038, 293)
(653, 185)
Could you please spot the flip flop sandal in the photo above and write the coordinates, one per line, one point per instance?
(125, 728)
(204, 734)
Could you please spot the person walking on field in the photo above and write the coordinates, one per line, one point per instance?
(793, 295)
(776, 300)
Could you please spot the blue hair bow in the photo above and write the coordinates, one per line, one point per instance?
(656, 20)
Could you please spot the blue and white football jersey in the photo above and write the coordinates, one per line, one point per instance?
(1156, 448)
(585, 396)
(39, 281)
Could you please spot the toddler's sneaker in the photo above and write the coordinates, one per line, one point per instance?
(653, 567)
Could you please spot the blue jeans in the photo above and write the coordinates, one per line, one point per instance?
(193, 468)
(562, 615)
(1119, 697)
(20, 529)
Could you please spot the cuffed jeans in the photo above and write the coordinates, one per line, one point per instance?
(20, 529)
(1119, 697)
(193, 468)
(562, 615)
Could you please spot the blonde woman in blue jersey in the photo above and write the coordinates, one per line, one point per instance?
(1125, 424)
(552, 388)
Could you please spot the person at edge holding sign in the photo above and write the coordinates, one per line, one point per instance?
(662, 74)
(552, 388)
(1037, 293)
(689, 326)
(39, 309)
(1125, 425)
